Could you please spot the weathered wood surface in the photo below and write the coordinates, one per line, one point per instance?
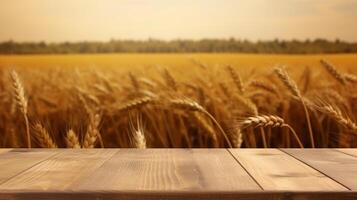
(178, 174)
(352, 152)
(275, 170)
(339, 166)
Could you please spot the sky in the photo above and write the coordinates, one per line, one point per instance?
(102, 20)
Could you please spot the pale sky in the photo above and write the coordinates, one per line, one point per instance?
(101, 20)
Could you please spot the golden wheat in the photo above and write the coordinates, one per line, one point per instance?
(236, 79)
(178, 110)
(72, 140)
(291, 85)
(92, 133)
(138, 135)
(43, 136)
(337, 115)
(21, 102)
(333, 71)
(269, 120)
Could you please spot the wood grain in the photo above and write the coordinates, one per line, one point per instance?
(352, 152)
(335, 164)
(4, 150)
(170, 170)
(15, 161)
(60, 171)
(275, 170)
(174, 174)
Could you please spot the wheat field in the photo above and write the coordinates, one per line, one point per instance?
(178, 100)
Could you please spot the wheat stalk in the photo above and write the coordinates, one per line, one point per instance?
(19, 92)
(21, 102)
(43, 136)
(291, 85)
(288, 82)
(253, 110)
(201, 122)
(187, 104)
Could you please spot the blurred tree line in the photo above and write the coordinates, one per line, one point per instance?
(181, 46)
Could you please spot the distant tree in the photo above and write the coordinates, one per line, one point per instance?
(204, 45)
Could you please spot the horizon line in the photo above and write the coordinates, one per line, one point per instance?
(178, 39)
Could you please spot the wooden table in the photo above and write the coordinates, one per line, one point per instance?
(178, 174)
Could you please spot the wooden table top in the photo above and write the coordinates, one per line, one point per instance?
(178, 173)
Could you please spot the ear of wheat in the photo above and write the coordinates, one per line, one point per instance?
(198, 63)
(236, 136)
(187, 104)
(337, 115)
(138, 134)
(268, 120)
(334, 72)
(265, 86)
(252, 108)
(170, 81)
(72, 140)
(21, 102)
(85, 104)
(225, 90)
(92, 133)
(134, 82)
(238, 140)
(263, 120)
(291, 85)
(351, 78)
(19, 92)
(87, 96)
(247, 103)
(43, 137)
(105, 80)
(236, 79)
(135, 104)
(288, 82)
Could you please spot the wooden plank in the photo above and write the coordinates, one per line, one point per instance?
(15, 161)
(172, 174)
(352, 152)
(170, 170)
(191, 195)
(4, 150)
(335, 164)
(275, 170)
(60, 171)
